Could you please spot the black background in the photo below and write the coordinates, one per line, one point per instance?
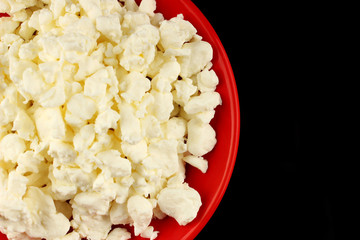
(283, 185)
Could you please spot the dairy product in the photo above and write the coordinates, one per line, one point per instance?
(180, 202)
(102, 104)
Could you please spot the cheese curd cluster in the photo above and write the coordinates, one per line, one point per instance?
(102, 104)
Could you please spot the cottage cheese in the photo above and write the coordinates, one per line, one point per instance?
(102, 105)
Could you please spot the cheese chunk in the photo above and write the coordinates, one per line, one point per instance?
(110, 27)
(11, 146)
(181, 202)
(129, 124)
(119, 234)
(175, 32)
(207, 80)
(134, 86)
(201, 54)
(163, 155)
(49, 224)
(140, 211)
(106, 120)
(117, 165)
(204, 102)
(49, 123)
(198, 162)
(201, 137)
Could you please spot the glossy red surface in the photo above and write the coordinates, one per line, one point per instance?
(211, 185)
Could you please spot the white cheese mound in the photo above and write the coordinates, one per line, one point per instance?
(102, 104)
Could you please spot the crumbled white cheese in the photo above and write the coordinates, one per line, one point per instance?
(129, 124)
(207, 80)
(11, 146)
(163, 155)
(175, 32)
(149, 233)
(119, 214)
(119, 234)
(49, 123)
(135, 152)
(111, 160)
(201, 54)
(84, 138)
(201, 137)
(133, 86)
(148, 6)
(198, 162)
(49, 224)
(106, 120)
(180, 202)
(81, 107)
(140, 211)
(102, 104)
(24, 125)
(70, 236)
(62, 153)
(110, 27)
(204, 102)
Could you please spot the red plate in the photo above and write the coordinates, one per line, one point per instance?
(211, 185)
(4, 15)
